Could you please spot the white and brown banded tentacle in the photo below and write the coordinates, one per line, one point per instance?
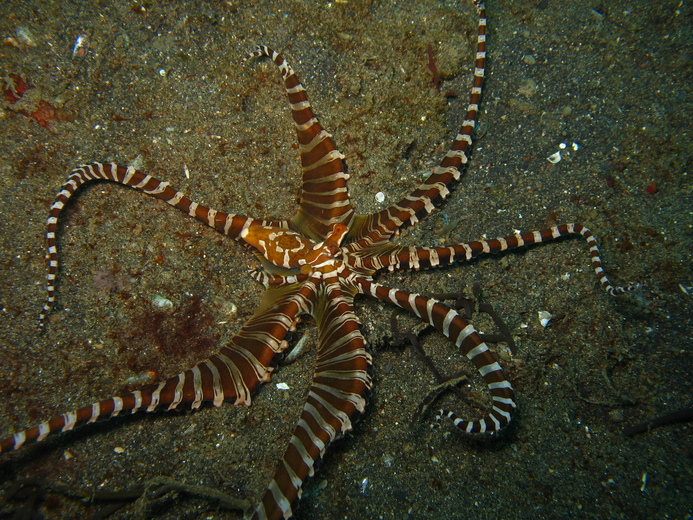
(232, 374)
(275, 280)
(449, 323)
(336, 397)
(422, 258)
(324, 195)
(380, 226)
(227, 223)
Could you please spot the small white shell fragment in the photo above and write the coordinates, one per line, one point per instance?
(283, 386)
(230, 309)
(186, 171)
(364, 485)
(380, 196)
(80, 46)
(563, 146)
(25, 36)
(138, 379)
(297, 350)
(575, 147)
(161, 302)
(137, 163)
(504, 352)
(554, 157)
(118, 449)
(189, 429)
(545, 318)
(684, 289)
(523, 326)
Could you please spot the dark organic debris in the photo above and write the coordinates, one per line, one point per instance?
(432, 66)
(30, 493)
(682, 415)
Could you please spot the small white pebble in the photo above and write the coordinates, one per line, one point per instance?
(545, 318)
(118, 449)
(282, 386)
(380, 196)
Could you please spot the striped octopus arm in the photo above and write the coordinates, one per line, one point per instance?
(379, 227)
(449, 323)
(336, 397)
(418, 258)
(227, 223)
(232, 374)
(324, 195)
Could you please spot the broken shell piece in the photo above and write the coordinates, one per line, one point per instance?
(81, 45)
(545, 318)
(297, 350)
(554, 157)
(282, 386)
(25, 36)
(161, 302)
(504, 352)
